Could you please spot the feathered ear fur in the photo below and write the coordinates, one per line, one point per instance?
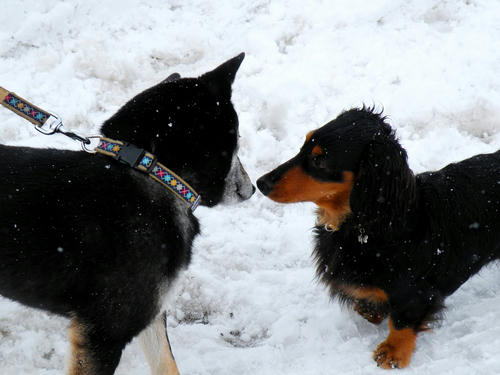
(384, 190)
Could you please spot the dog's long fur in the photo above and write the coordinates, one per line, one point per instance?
(391, 243)
(89, 238)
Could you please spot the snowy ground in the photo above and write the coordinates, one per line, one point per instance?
(249, 303)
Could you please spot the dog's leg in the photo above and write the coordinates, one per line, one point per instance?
(411, 308)
(92, 353)
(156, 346)
(397, 349)
(369, 302)
(373, 312)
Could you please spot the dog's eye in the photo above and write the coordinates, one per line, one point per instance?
(318, 162)
(319, 168)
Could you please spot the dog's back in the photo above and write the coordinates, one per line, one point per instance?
(467, 194)
(71, 216)
(463, 200)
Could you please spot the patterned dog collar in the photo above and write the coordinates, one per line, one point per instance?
(127, 153)
(146, 162)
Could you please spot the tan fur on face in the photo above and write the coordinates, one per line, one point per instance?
(317, 150)
(332, 198)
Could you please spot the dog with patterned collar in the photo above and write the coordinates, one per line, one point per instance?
(99, 241)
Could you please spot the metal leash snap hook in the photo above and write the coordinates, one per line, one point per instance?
(54, 125)
(45, 122)
(73, 135)
(51, 125)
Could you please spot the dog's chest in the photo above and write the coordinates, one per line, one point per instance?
(347, 260)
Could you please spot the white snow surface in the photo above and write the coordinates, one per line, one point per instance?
(249, 303)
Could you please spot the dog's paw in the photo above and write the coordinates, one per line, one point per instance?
(389, 356)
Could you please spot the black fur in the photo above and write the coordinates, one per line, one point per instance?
(418, 238)
(86, 237)
(426, 234)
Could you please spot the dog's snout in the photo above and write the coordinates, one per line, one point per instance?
(245, 192)
(265, 184)
(238, 185)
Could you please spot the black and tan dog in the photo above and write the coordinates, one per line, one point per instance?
(92, 239)
(388, 242)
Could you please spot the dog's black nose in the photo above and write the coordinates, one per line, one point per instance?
(265, 185)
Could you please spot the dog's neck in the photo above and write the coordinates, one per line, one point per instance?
(378, 227)
(146, 162)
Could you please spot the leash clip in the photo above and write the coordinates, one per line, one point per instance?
(54, 125)
(51, 126)
(45, 122)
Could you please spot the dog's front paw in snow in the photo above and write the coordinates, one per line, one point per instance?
(397, 349)
(390, 357)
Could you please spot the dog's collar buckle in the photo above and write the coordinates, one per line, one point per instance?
(129, 154)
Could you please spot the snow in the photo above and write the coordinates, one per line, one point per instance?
(249, 303)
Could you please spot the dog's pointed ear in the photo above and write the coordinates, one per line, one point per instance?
(385, 186)
(172, 77)
(220, 79)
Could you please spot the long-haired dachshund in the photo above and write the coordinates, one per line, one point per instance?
(388, 242)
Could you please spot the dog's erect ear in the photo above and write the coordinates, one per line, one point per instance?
(172, 77)
(384, 189)
(221, 78)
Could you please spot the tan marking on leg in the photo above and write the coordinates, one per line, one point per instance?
(369, 302)
(397, 349)
(79, 363)
(373, 312)
(371, 294)
(154, 342)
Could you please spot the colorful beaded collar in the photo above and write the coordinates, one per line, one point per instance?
(126, 153)
(146, 162)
